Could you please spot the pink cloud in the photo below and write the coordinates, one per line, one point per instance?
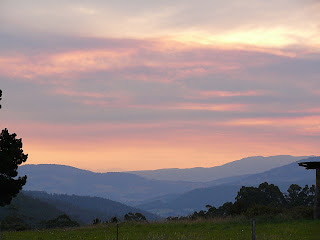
(166, 60)
(307, 125)
(72, 93)
(224, 94)
(211, 107)
(132, 145)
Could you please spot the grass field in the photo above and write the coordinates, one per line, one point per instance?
(215, 229)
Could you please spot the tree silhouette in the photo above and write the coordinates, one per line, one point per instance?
(114, 220)
(0, 96)
(138, 217)
(96, 221)
(63, 221)
(266, 194)
(298, 196)
(11, 155)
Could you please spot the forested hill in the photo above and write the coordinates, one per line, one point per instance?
(85, 208)
(36, 207)
(32, 211)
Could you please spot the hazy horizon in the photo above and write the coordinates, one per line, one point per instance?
(152, 85)
(137, 170)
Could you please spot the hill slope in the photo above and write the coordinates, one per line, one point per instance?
(36, 207)
(31, 210)
(85, 209)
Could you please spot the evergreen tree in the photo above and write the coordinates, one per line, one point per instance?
(11, 155)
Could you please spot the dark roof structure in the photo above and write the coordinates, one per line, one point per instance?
(310, 165)
(314, 165)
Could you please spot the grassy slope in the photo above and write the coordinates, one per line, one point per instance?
(237, 230)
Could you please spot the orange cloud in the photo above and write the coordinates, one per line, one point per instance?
(293, 121)
(299, 126)
(172, 151)
(133, 146)
(65, 64)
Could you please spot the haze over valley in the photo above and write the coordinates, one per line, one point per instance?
(159, 120)
(170, 197)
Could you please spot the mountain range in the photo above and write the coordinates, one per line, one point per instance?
(124, 187)
(165, 197)
(225, 190)
(249, 165)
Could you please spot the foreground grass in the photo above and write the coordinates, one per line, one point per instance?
(223, 229)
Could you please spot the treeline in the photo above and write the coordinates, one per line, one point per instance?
(86, 208)
(16, 223)
(128, 217)
(266, 200)
(27, 212)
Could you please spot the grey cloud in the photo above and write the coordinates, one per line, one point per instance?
(205, 15)
(32, 101)
(296, 68)
(35, 103)
(38, 43)
(220, 82)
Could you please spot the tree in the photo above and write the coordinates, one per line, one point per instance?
(137, 217)
(14, 223)
(11, 155)
(298, 196)
(0, 96)
(266, 194)
(227, 209)
(114, 220)
(271, 195)
(246, 198)
(96, 221)
(62, 221)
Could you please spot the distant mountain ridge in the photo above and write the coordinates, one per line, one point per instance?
(159, 196)
(225, 190)
(124, 187)
(249, 165)
(284, 175)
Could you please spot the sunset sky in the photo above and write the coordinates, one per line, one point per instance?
(133, 85)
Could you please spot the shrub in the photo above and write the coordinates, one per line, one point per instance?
(262, 210)
(62, 221)
(14, 223)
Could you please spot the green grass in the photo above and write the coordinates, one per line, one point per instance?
(215, 229)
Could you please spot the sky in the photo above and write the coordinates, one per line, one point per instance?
(136, 85)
